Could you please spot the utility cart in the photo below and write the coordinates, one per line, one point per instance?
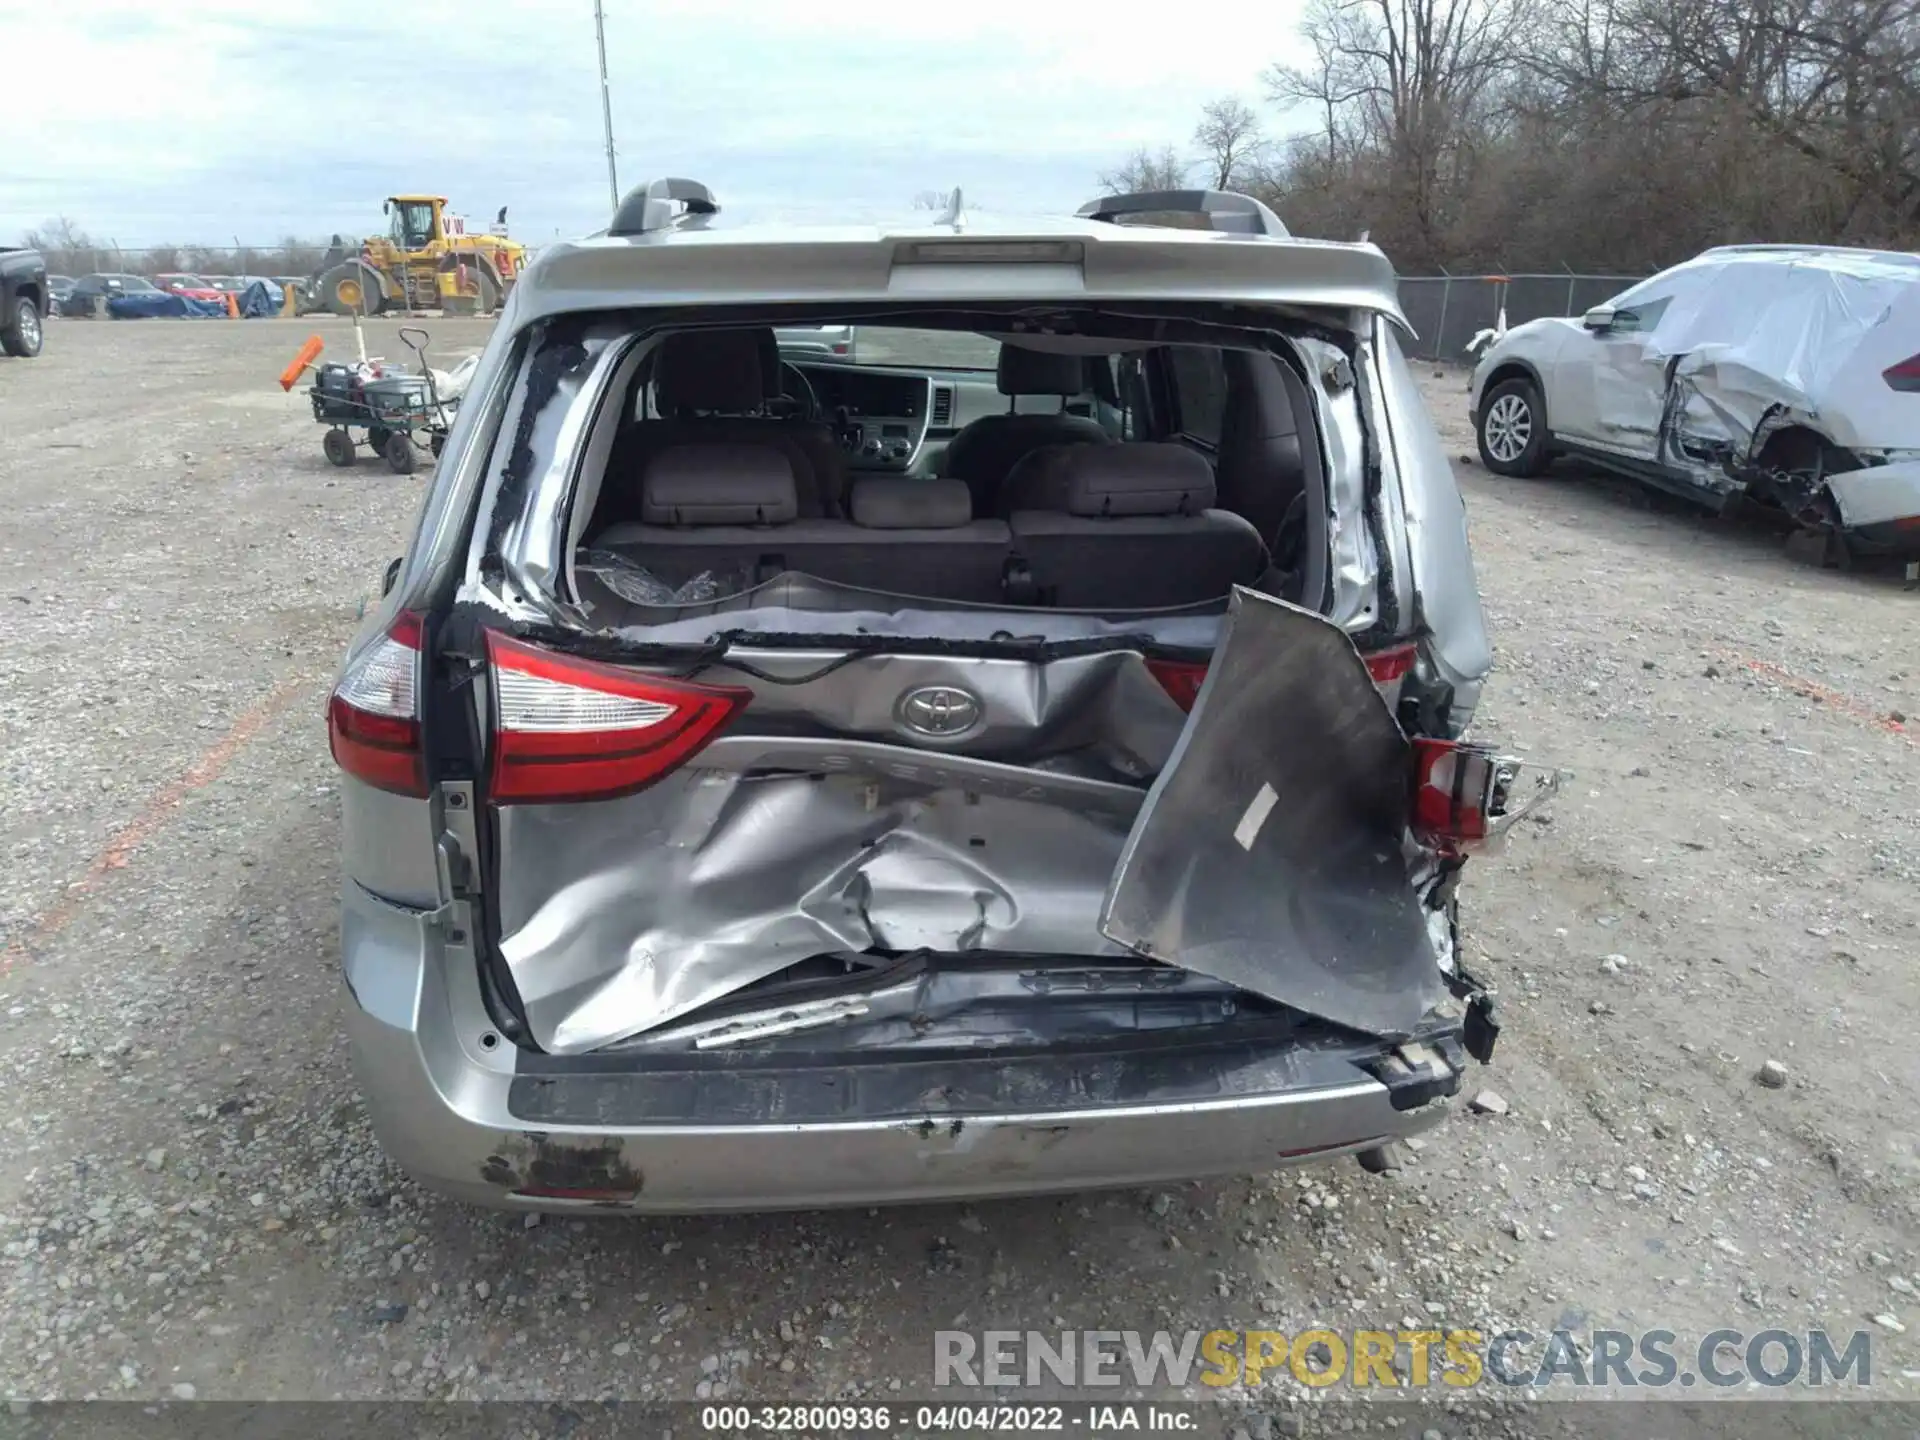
(389, 409)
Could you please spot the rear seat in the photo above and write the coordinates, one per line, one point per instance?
(1126, 526)
(732, 511)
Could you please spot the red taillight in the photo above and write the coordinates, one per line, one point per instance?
(373, 717)
(1905, 376)
(1450, 786)
(568, 729)
(1182, 678)
(1387, 666)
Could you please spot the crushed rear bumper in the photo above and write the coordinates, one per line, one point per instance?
(497, 1127)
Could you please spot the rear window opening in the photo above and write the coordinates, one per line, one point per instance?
(949, 468)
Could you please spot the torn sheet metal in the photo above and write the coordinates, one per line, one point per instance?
(1877, 495)
(928, 1000)
(1269, 852)
(832, 817)
(617, 917)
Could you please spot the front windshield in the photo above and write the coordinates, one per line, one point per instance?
(890, 345)
(412, 225)
(926, 349)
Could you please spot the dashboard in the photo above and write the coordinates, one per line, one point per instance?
(880, 417)
(898, 420)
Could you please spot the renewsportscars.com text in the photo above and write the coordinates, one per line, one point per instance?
(1408, 1359)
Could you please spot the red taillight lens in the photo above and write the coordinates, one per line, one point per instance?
(568, 729)
(1450, 785)
(373, 717)
(1387, 666)
(1182, 679)
(1905, 376)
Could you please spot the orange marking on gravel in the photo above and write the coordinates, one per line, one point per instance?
(122, 844)
(1813, 690)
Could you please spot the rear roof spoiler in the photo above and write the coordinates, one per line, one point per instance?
(1226, 211)
(652, 206)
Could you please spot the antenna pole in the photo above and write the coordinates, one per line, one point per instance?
(606, 105)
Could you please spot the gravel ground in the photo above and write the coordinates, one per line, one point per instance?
(196, 1206)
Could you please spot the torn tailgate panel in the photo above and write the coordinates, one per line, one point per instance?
(1270, 853)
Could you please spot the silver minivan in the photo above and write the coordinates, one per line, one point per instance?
(1030, 763)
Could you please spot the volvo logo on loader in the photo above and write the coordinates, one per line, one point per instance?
(939, 712)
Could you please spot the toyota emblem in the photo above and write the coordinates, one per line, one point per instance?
(939, 712)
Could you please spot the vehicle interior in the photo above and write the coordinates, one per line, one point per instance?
(1058, 471)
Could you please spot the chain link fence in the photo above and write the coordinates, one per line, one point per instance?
(236, 258)
(1447, 311)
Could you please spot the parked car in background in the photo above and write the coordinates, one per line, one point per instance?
(23, 301)
(58, 288)
(830, 340)
(295, 283)
(776, 782)
(1788, 375)
(89, 288)
(191, 286)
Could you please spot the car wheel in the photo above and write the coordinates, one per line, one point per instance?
(20, 336)
(1512, 429)
(337, 446)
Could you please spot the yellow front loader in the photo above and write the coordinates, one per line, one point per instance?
(425, 261)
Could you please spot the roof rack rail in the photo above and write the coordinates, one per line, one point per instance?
(651, 207)
(1228, 212)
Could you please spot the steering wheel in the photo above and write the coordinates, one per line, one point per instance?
(807, 400)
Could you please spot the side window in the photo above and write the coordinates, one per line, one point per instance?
(1199, 390)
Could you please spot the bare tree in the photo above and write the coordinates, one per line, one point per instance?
(1230, 141)
(68, 249)
(1408, 80)
(1145, 171)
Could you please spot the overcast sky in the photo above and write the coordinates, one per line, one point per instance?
(197, 121)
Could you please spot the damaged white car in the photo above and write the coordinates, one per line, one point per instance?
(1786, 375)
(778, 781)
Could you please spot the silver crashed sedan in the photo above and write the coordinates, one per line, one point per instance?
(773, 782)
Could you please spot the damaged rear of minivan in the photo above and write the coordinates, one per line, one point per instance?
(777, 781)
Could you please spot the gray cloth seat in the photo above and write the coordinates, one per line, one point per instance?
(1126, 527)
(732, 511)
(985, 451)
(710, 387)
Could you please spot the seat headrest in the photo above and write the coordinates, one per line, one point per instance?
(714, 370)
(1031, 372)
(1138, 478)
(768, 345)
(901, 502)
(719, 484)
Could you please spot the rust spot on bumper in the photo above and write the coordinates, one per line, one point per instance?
(542, 1166)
